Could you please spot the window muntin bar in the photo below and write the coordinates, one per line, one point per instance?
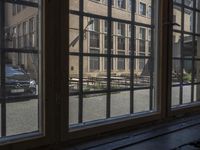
(117, 48)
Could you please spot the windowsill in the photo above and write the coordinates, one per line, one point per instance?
(141, 135)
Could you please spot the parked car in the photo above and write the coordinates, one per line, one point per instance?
(18, 82)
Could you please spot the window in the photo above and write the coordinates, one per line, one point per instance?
(149, 11)
(31, 32)
(113, 72)
(121, 4)
(184, 73)
(121, 62)
(95, 26)
(21, 89)
(142, 33)
(94, 61)
(121, 29)
(94, 39)
(14, 10)
(25, 34)
(142, 9)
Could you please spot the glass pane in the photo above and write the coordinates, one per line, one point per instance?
(120, 103)
(74, 4)
(141, 100)
(196, 71)
(177, 15)
(90, 6)
(176, 45)
(73, 74)
(188, 20)
(142, 75)
(175, 96)
(188, 50)
(176, 72)
(197, 47)
(74, 33)
(187, 71)
(187, 94)
(73, 109)
(196, 92)
(21, 69)
(94, 107)
(22, 116)
(198, 22)
(120, 78)
(94, 79)
(189, 3)
(122, 9)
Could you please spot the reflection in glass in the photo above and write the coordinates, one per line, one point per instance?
(197, 26)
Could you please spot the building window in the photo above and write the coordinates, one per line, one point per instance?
(121, 29)
(94, 61)
(121, 62)
(121, 4)
(14, 9)
(149, 11)
(31, 33)
(142, 33)
(25, 34)
(94, 39)
(21, 95)
(95, 26)
(142, 9)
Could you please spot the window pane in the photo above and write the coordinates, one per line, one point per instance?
(177, 15)
(197, 22)
(175, 96)
(176, 45)
(141, 100)
(120, 103)
(74, 33)
(94, 107)
(21, 69)
(188, 20)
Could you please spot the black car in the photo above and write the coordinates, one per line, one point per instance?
(18, 82)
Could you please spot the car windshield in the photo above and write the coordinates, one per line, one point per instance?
(11, 71)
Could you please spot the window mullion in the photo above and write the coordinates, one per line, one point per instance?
(81, 30)
(108, 103)
(2, 45)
